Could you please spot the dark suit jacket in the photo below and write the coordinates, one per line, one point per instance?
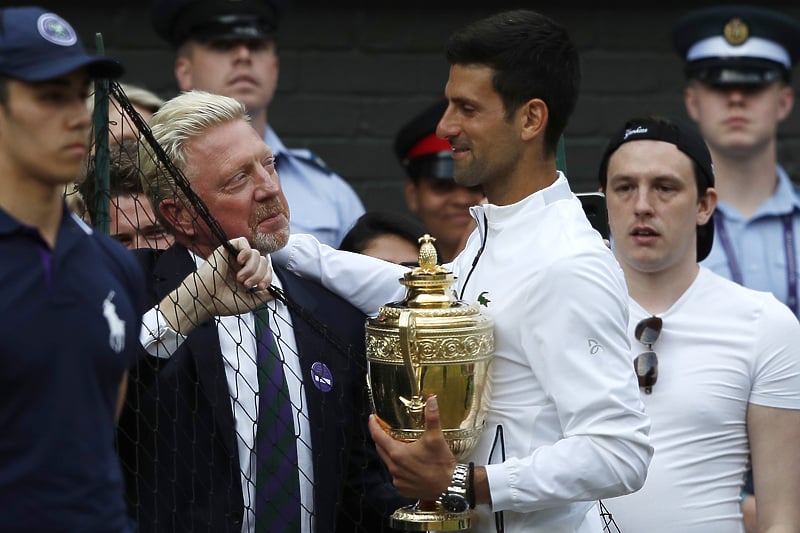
(176, 436)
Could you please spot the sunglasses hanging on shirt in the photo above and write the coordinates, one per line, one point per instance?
(646, 363)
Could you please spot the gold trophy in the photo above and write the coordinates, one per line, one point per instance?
(430, 343)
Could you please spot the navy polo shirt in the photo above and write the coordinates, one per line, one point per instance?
(69, 328)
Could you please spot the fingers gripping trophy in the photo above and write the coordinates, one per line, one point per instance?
(430, 343)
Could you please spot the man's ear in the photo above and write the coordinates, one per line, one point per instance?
(178, 216)
(786, 103)
(706, 206)
(183, 72)
(690, 102)
(533, 116)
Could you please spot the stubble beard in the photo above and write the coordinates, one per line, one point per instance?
(266, 243)
(468, 176)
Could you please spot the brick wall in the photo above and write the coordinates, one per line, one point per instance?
(351, 75)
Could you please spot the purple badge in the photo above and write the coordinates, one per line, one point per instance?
(321, 376)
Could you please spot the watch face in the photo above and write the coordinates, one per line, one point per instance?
(455, 503)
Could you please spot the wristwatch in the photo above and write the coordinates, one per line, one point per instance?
(454, 499)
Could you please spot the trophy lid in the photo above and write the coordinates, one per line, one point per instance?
(429, 283)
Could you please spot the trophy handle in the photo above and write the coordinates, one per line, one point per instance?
(406, 323)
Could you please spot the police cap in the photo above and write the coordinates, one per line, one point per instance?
(177, 21)
(418, 148)
(737, 44)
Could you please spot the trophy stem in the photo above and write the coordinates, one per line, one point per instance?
(429, 515)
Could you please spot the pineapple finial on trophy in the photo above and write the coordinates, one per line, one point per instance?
(428, 259)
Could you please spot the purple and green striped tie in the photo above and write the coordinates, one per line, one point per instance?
(277, 505)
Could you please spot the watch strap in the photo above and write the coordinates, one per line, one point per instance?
(471, 485)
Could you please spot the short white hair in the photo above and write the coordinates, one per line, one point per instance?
(179, 120)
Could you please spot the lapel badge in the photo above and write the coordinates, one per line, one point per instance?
(321, 376)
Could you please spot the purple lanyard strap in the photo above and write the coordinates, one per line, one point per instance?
(791, 257)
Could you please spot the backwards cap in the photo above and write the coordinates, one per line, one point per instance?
(687, 139)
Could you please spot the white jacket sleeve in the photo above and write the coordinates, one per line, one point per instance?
(364, 281)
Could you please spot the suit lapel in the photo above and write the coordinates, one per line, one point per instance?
(203, 344)
(324, 408)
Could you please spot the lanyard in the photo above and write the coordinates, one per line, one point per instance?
(788, 244)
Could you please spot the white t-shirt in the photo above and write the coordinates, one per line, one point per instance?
(563, 388)
(722, 346)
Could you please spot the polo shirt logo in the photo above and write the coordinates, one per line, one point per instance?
(116, 326)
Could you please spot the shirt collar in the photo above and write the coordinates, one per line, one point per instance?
(272, 140)
(783, 201)
(558, 190)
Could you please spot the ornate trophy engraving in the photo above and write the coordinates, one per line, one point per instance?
(430, 343)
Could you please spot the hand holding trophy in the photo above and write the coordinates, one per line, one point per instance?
(427, 344)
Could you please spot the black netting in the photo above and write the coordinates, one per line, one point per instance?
(189, 423)
(609, 526)
(190, 413)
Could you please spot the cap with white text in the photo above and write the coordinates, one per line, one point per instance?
(688, 140)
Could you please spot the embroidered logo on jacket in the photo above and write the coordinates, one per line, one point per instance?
(116, 326)
(594, 347)
(483, 299)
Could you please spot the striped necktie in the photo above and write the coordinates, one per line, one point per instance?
(277, 505)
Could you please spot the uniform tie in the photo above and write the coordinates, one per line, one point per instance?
(277, 505)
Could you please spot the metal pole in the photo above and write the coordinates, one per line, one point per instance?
(101, 154)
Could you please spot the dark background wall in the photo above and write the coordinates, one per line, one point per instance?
(353, 72)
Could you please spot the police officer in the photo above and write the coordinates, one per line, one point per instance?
(228, 47)
(738, 66)
(431, 193)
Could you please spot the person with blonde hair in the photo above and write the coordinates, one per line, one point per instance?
(273, 407)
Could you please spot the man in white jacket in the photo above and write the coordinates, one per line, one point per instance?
(564, 395)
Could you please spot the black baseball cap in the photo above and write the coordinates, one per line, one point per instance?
(418, 148)
(737, 45)
(177, 21)
(37, 45)
(688, 140)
